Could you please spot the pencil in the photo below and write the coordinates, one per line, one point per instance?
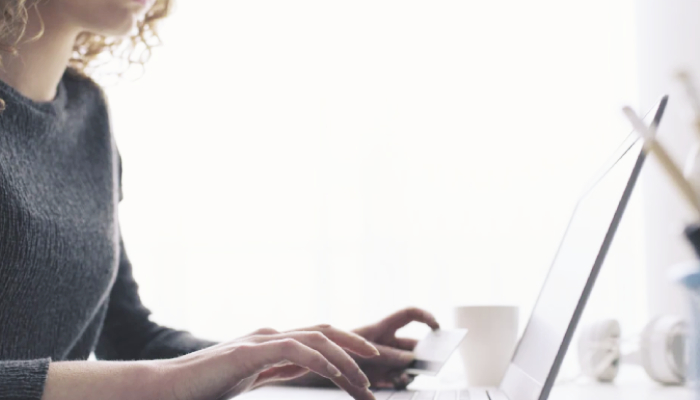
(692, 94)
(651, 145)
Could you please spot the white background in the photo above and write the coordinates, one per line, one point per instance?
(291, 163)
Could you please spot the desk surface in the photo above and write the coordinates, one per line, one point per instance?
(632, 384)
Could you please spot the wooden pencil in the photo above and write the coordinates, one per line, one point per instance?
(651, 145)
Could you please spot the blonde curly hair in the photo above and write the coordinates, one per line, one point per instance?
(89, 47)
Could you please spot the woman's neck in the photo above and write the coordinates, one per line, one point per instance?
(39, 65)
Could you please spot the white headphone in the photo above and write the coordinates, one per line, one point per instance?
(662, 350)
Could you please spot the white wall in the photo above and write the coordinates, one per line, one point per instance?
(289, 163)
(669, 41)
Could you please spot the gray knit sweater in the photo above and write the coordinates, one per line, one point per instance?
(66, 287)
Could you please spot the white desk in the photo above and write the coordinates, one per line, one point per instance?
(632, 384)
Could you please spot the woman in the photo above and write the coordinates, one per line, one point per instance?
(66, 287)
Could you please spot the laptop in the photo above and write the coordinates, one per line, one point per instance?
(541, 349)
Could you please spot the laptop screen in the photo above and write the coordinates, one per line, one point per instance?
(575, 266)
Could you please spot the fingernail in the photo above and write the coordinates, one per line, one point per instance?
(407, 356)
(333, 370)
(370, 395)
(363, 381)
(374, 349)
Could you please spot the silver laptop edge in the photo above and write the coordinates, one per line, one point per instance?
(519, 384)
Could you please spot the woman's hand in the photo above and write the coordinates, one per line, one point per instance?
(396, 353)
(265, 356)
(228, 369)
(387, 369)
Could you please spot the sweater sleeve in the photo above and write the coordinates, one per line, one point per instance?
(129, 334)
(23, 380)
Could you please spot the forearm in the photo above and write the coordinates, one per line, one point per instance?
(104, 380)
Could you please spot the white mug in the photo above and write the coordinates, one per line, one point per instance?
(489, 345)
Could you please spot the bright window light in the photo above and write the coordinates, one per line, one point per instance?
(291, 163)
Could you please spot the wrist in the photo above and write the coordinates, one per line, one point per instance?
(145, 381)
(155, 379)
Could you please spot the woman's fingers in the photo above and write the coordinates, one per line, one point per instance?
(405, 343)
(392, 357)
(404, 317)
(264, 331)
(393, 379)
(270, 353)
(333, 353)
(402, 381)
(283, 373)
(309, 350)
(357, 393)
(347, 340)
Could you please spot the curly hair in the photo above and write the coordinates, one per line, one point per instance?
(89, 47)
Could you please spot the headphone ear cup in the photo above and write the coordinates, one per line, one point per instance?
(662, 349)
(599, 350)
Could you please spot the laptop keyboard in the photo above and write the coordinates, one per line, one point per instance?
(430, 395)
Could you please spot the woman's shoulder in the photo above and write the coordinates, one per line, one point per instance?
(87, 104)
(74, 75)
(82, 87)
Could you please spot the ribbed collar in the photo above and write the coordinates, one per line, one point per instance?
(53, 107)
